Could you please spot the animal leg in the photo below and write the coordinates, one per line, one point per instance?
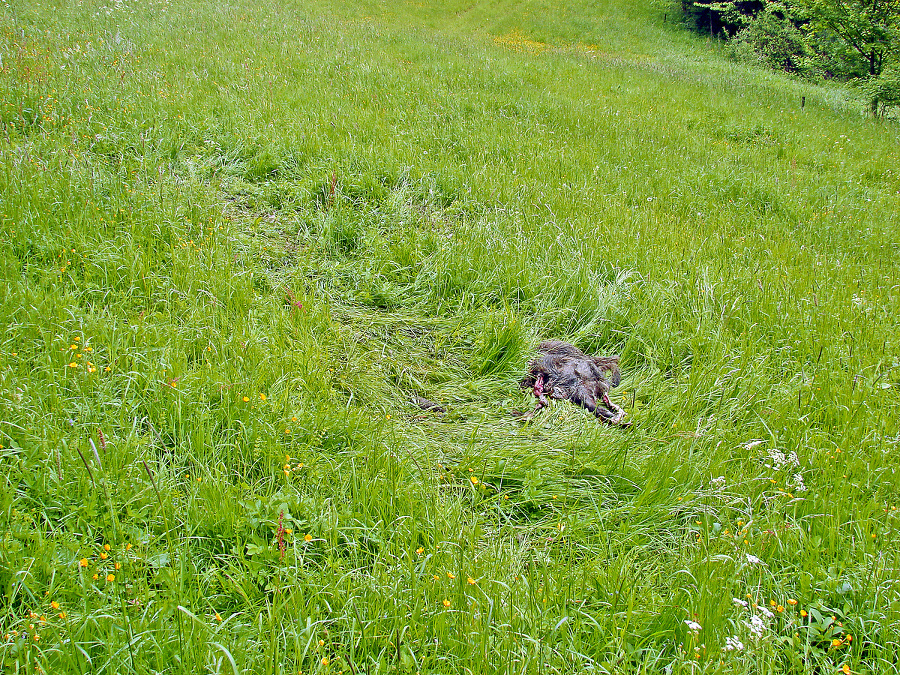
(611, 414)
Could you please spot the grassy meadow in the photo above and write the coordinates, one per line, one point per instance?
(238, 238)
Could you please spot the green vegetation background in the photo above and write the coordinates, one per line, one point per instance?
(237, 239)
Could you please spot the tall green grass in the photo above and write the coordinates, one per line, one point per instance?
(239, 239)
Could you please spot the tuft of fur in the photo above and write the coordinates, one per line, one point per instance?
(564, 372)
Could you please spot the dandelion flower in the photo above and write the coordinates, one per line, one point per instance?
(792, 602)
(474, 480)
(218, 617)
(262, 397)
(803, 612)
(780, 608)
(110, 577)
(73, 365)
(62, 615)
(446, 603)
(106, 547)
(845, 668)
(837, 642)
(118, 566)
(54, 604)
(103, 555)
(246, 399)
(83, 562)
(325, 661)
(307, 538)
(450, 575)
(471, 581)
(128, 547)
(420, 550)
(95, 577)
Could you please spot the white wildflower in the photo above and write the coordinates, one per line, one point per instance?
(778, 460)
(753, 560)
(739, 603)
(757, 626)
(717, 483)
(749, 445)
(799, 485)
(732, 644)
(765, 612)
(693, 626)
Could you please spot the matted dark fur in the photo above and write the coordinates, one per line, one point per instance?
(562, 371)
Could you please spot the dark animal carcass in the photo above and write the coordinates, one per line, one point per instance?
(562, 371)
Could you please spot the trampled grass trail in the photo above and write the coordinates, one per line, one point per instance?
(237, 240)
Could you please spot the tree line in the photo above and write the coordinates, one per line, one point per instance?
(851, 40)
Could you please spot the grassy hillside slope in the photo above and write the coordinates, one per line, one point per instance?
(237, 239)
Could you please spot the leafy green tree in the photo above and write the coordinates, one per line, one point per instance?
(772, 38)
(871, 28)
